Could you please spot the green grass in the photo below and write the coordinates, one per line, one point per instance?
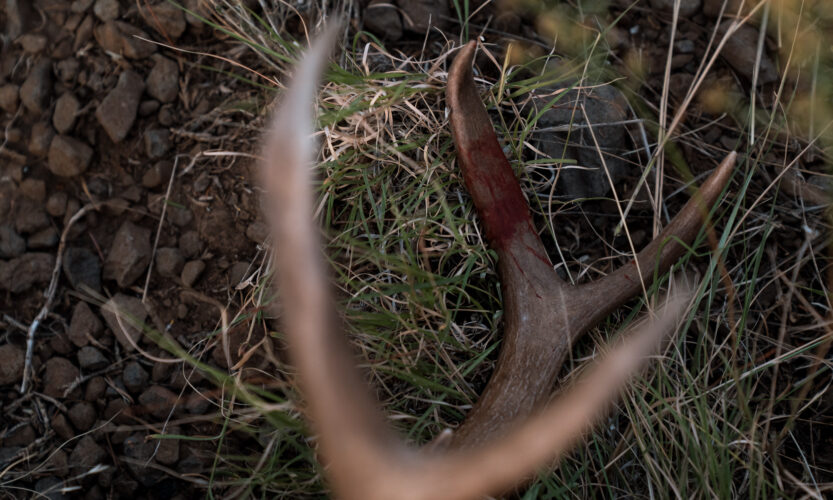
(717, 416)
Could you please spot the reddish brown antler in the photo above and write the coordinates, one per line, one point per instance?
(543, 316)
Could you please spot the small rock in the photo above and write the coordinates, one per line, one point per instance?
(191, 272)
(87, 454)
(66, 109)
(257, 231)
(121, 38)
(9, 97)
(419, 16)
(20, 274)
(148, 107)
(80, 6)
(84, 325)
(91, 359)
(167, 451)
(62, 427)
(135, 377)
(158, 174)
(169, 262)
(180, 216)
(82, 415)
(41, 139)
(106, 10)
(157, 143)
(36, 89)
(45, 238)
(167, 19)
(166, 115)
(95, 389)
(35, 189)
(190, 244)
(56, 463)
(219, 230)
(382, 19)
(163, 80)
(687, 7)
(32, 43)
(67, 69)
(56, 204)
(684, 46)
(11, 244)
(129, 254)
(603, 104)
(141, 451)
(132, 314)
(741, 52)
(11, 364)
(82, 267)
(238, 272)
(29, 216)
(68, 156)
(59, 374)
(158, 401)
(50, 488)
(21, 17)
(22, 436)
(117, 111)
(83, 33)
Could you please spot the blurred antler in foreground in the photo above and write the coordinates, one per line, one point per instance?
(494, 449)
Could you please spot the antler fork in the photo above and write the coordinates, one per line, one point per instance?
(490, 452)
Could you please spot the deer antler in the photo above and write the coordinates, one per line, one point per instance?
(490, 451)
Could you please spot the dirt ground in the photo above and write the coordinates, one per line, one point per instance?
(114, 164)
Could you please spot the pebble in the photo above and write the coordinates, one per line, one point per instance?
(603, 104)
(158, 401)
(167, 19)
(166, 115)
(66, 109)
(117, 111)
(58, 375)
(741, 52)
(30, 216)
(135, 377)
(32, 43)
(191, 272)
(11, 364)
(148, 107)
(82, 267)
(167, 450)
(257, 231)
(419, 16)
(11, 244)
(82, 415)
(133, 310)
(180, 216)
(382, 19)
(95, 389)
(90, 359)
(86, 454)
(20, 274)
(56, 204)
(121, 38)
(34, 189)
(163, 80)
(157, 143)
(67, 69)
(238, 272)
(158, 174)
(169, 262)
(712, 8)
(62, 427)
(84, 325)
(9, 97)
(129, 254)
(68, 156)
(190, 244)
(21, 17)
(50, 488)
(106, 10)
(40, 138)
(45, 238)
(37, 88)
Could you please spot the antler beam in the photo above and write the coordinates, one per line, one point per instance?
(492, 451)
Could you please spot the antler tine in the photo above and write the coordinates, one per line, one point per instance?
(365, 460)
(543, 315)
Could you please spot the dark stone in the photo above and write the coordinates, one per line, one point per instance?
(91, 359)
(158, 401)
(11, 244)
(82, 415)
(37, 88)
(117, 111)
(132, 311)
(135, 377)
(82, 267)
(86, 454)
(59, 374)
(129, 254)
(84, 325)
(11, 364)
(18, 275)
(68, 156)
(382, 19)
(163, 80)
